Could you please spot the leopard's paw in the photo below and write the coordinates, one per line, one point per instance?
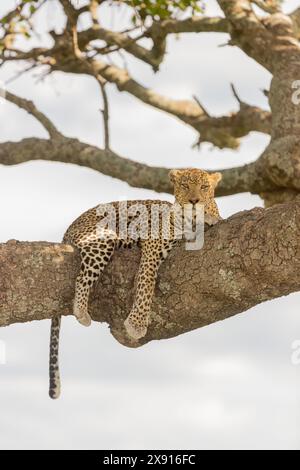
(211, 219)
(82, 316)
(133, 330)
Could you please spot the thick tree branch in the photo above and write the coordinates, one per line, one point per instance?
(247, 31)
(247, 178)
(277, 168)
(266, 40)
(250, 258)
(67, 150)
(73, 151)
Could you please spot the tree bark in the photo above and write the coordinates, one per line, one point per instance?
(252, 257)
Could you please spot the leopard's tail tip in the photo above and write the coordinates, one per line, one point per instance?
(54, 393)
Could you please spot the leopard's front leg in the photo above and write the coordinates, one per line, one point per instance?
(212, 214)
(153, 253)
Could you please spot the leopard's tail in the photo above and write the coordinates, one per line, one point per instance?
(54, 378)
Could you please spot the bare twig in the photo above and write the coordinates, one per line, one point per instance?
(31, 109)
(20, 74)
(201, 106)
(76, 47)
(105, 112)
(235, 94)
(93, 7)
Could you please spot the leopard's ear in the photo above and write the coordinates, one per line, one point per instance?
(215, 178)
(173, 175)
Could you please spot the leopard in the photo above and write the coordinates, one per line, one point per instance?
(97, 242)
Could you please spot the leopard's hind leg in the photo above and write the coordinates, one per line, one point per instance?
(95, 255)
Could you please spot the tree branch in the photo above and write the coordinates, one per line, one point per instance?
(247, 31)
(71, 12)
(266, 40)
(250, 258)
(105, 113)
(264, 175)
(247, 178)
(31, 109)
(122, 41)
(68, 150)
(223, 132)
(157, 32)
(195, 24)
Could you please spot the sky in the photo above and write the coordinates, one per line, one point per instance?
(230, 385)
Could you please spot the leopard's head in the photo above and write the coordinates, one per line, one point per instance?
(194, 186)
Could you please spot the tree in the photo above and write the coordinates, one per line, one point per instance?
(251, 257)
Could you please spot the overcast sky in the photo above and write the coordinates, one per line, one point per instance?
(230, 385)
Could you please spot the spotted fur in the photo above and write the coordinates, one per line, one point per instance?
(97, 246)
(54, 388)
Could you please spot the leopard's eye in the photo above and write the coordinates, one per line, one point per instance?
(205, 187)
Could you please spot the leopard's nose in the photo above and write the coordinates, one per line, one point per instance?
(194, 201)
